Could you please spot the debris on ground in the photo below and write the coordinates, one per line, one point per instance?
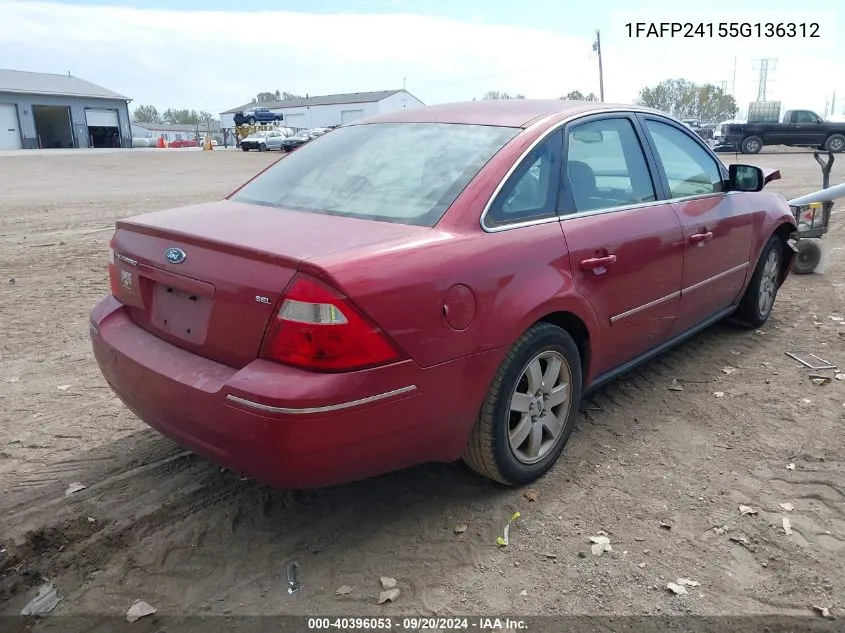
(503, 541)
(719, 394)
(686, 582)
(665, 525)
(460, 528)
(742, 540)
(343, 590)
(524, 592)
(293, 581)
(787, 526)
(387, 582)
(677, 589)
(744, 510)
(728, 370)
(601, 544)
(840, 376)
(824, 612)
(531, 495)
(139, 610)
(44, 602)
(388, 596)
(63, 387)
(75, 487)
(819, 380)
(721, 530)
(642, 565)
(790, 466)
(12, 380)
(787, 506)
(675, 386)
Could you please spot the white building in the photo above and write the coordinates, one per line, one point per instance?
(175, 131)
(311, 112)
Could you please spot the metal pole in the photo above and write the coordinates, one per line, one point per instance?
(733, 82)
(601, 70)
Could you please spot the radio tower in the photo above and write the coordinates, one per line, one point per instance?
(763, 66)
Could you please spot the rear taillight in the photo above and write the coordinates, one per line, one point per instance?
(317, 328)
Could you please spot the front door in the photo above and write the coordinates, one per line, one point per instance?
(717, 234)
(807, 129)
(625, 245)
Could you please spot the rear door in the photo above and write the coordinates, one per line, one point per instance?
(625, 243)
(717, 231)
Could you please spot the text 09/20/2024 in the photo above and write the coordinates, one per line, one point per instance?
(723, 29)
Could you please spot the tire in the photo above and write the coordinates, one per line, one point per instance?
(277, 119)
(251, 120)
(244, 148)
(262, 148)
(835, 143)
(807, 258)
(754, 309)
(752, 145)
(490, 451)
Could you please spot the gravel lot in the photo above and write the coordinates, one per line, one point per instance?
(158, 524)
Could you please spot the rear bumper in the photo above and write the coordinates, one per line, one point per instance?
(287, 427)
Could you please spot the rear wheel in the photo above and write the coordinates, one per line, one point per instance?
(756, 304)
(244, 148)
(530, 408)
(807, 258)
(752, 145)
(835, 143)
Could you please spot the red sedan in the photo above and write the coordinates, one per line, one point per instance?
(433, 284)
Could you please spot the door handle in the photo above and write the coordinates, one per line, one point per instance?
(698, 238)
(597, 262)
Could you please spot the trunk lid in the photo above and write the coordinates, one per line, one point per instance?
(207, 277)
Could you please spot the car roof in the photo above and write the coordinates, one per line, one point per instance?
(518, 113)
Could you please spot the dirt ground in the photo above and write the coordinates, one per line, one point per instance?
(158, 524)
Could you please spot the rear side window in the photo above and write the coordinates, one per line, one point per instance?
(605, 166)
(408, 173)
(689, 168)
(531, 191)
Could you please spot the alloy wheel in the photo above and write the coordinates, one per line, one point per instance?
(768, 283)
(539, 407)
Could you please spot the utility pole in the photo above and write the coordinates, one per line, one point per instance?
(597, 49)
(733, 82)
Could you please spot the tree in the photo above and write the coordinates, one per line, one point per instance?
(683, 98)
(146, 114)
(495, 94)
(576, 95)
(268, 97)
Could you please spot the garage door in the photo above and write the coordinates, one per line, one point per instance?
(296, 121)
(10, 136)
(101, 118)
(347, 116)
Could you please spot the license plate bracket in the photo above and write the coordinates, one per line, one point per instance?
(180, 313)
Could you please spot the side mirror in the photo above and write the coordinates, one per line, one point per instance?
(745, 178)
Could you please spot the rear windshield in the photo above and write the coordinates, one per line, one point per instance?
(394, 172)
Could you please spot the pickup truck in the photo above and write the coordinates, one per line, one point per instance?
(799, 128)
(257, 115)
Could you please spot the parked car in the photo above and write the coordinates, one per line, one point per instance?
(263, 141)
(433, 284)
(297, 140)
(183, 142)
(257, 115)
(798, 128)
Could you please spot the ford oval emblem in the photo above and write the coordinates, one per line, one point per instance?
(175, 255)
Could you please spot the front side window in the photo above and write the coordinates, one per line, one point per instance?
(605, 166)
(408, 173)
(689, 168)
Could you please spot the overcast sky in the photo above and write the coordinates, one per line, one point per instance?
(215, 55)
